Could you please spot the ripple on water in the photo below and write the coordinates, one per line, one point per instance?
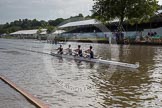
(13, 52)
(113, 86)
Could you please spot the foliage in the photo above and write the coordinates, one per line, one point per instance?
(55, 22)
(23, 24)
(78, 17)
(39, 30)
(131, 10)
(26, 24)
(50, 29)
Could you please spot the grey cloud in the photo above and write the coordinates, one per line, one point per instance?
(42, 9)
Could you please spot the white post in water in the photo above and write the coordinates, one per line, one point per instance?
(65, 38)
(110, 39)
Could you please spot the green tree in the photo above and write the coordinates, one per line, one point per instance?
(39, 30)
(36, 23)
(88, 17)
(56, 22)
(80, 15)
(43, 24)
(131, 10)
(50, 29)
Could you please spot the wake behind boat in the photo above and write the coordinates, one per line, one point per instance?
(96, 60)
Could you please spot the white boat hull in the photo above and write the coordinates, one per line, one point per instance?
(135, 66)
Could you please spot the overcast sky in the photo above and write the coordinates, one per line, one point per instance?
(43, 9)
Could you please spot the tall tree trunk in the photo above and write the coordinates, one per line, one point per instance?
(120, 29)
(121, 24)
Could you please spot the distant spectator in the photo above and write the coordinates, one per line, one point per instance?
(152, 34)
(106, 36)
(149, 34)
(113, 35)
(155, 33)
(122, 36)
(117, 36)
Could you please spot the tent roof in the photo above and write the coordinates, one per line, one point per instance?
(43, 31)
(58, 32)
(27, 32)
(159, 12)
(81, 23)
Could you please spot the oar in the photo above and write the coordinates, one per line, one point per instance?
(52, 50)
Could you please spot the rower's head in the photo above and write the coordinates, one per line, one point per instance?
(60, 46)
(79, 46)
(90, 47)
(69, 46)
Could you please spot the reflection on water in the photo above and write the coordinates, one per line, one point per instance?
(65, 83)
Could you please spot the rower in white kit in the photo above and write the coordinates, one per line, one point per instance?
(69, 50)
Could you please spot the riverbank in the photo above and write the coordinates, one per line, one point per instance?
(95, 40)
(106, 41)
(10, 37)
(86, 40)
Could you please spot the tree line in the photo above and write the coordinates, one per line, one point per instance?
(27, 24)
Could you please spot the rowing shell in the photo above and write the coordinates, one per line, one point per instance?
(135, 66)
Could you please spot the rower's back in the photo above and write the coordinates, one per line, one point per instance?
(69, 50)
(91, 53)
(80, 54)
(60, 50)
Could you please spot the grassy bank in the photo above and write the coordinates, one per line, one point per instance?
(96, 40)
(86, 40)
(9, 37)
(14, 37)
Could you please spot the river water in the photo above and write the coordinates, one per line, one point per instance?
(64, 83)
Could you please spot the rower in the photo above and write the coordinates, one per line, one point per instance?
(60, 50)
(79, 51)
(69, 50)
(91, 54)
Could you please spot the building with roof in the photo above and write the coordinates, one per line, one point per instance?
(3, 35)
(32, 34)
(94, 28)
(84, 29)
